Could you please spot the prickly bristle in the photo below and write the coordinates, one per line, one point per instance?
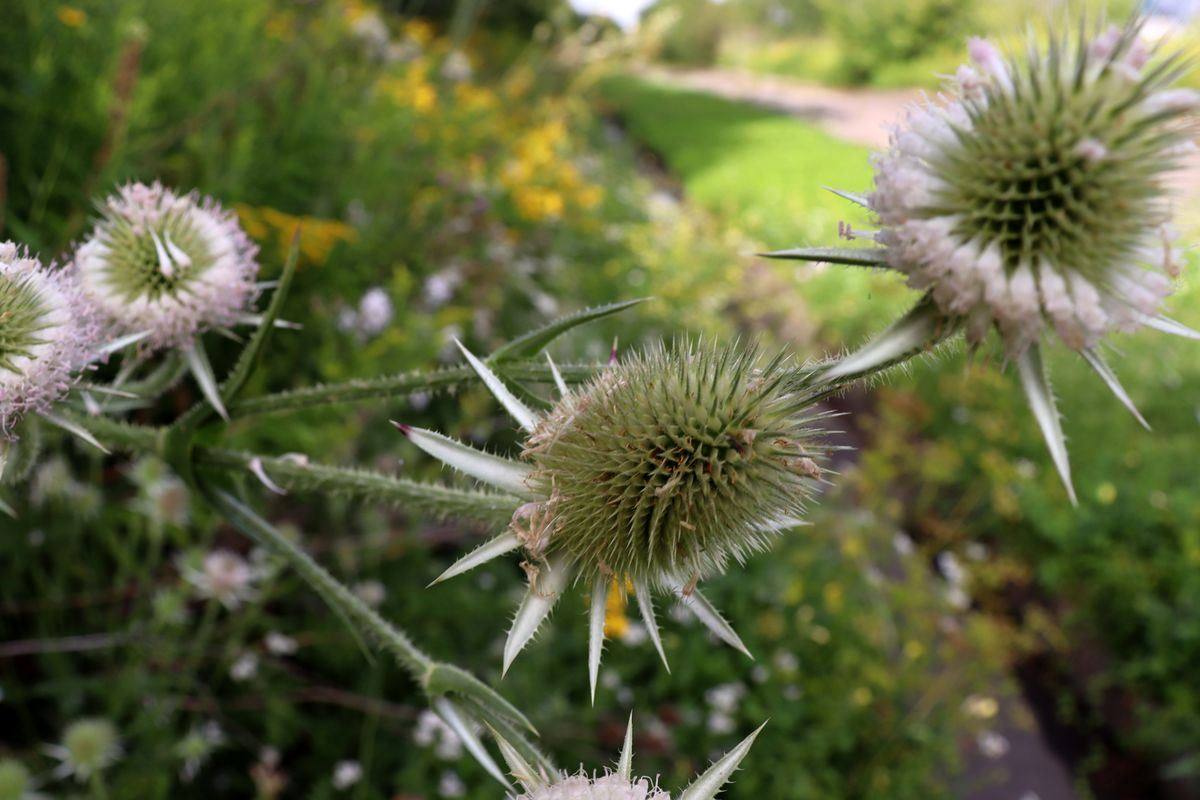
(672, 462)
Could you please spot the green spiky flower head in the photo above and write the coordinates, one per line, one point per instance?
(1035, 193)
(651, 477)
(670, 464)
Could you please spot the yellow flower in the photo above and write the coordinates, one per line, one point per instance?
(536, 203)
(833, 596)
(616, 624)
(71, 17)
(419, 30)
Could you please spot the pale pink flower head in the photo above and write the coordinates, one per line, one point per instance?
(47, 334)
(167, 265)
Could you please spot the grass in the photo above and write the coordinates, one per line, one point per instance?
(764, 172)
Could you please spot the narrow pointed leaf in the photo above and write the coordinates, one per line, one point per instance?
(1167, 325)
(532, 343)
(920, 328)
(698, 604)
(202, 371)
(563, 391)
(1041, 401)
(492, 548)
(1097, 363)
(625, 765)
(646, 608)
(853, 197)
(252, 353)
(74, 429)
(707, 785)
(453, 718)
(518, 767)
(7, 509)
(850, 256)
(449, 679)
(4, 446)
(536, 606)
(596, 630)
(500, 472)
(122, 343)
(781, 524)
(518, 410)
(516, 738)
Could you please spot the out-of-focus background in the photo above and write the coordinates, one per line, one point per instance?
(949, 626)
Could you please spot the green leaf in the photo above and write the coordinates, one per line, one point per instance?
(74, 428)
(252, 353)
(1036, 383)
(851, 256)
(449, 679)
(532, 343)
(7, 509)
(452, 716)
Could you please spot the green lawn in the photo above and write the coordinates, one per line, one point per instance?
(764, 172)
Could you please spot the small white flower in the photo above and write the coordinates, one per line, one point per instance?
(223, 576)
(244, 668)
(370, 592)
(346, 774)
(457, 66)
(89, 746)
(432, 731)
(166, 265)
(992, 745)
(280, 644)
(47, 334)
(450, 785)
(375, 312)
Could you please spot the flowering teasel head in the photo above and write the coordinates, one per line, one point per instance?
(656, 474)
(619, 784)
(1033, 196)
(167, 266)
(47, 334)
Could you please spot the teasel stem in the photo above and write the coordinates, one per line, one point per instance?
(424, 498)
(393, 386)
(362, 616)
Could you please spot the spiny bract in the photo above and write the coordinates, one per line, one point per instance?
(664, 467)
(652, 476)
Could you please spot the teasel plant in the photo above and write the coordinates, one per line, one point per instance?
(621, 783)
(1030, 197)
(657, 473)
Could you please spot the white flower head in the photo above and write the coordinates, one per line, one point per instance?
(375, 312)
(620, 784)
(89, 746)
(47, 334)
(166, 265)
(1033, 193)
(346, 774)
(224, 576)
